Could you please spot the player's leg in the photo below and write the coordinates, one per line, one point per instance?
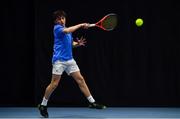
(84, 88)
(57, 71)
(51, 87)
(73, 70)
(81, 83)
(49, 90)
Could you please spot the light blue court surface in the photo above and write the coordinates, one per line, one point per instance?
(83, 112)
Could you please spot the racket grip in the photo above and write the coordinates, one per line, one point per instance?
(92, 25)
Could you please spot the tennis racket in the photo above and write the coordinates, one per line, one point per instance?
(107, 23)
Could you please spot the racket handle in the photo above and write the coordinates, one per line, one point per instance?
(92, 25)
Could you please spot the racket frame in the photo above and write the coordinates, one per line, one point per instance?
(99, 23)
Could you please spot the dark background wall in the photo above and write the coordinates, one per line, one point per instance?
(17, 53)
(129, 66)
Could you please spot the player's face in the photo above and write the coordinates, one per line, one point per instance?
(62, 21)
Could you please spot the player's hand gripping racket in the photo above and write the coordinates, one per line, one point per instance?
(107, 23)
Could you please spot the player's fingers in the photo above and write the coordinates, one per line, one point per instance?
(84, 39)
(81, 38)
(86, 26)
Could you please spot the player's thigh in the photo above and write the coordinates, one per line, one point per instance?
(77, 76)
(55, 78)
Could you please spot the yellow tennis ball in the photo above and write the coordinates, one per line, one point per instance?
(139, 22)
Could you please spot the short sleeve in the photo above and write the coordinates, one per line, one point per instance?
(58, 29)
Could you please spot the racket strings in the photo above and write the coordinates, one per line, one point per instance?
(110, 22)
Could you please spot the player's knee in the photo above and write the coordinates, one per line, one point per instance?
(81, 81)
(55, 81)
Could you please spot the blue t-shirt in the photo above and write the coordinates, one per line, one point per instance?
(62, 44)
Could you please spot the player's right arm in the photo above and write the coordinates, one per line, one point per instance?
(74, 28)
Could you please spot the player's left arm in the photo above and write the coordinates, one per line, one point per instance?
(79, 42)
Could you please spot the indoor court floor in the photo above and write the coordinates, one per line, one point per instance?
(83, 113)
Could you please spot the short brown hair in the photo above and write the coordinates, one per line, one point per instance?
(58, 14)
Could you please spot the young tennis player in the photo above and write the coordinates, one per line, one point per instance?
(62, 60)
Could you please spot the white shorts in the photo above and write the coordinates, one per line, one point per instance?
(69, 66)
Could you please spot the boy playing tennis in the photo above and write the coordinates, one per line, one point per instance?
(62, 60)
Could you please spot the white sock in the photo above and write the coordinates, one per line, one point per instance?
(44, 101)
(91, 99)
